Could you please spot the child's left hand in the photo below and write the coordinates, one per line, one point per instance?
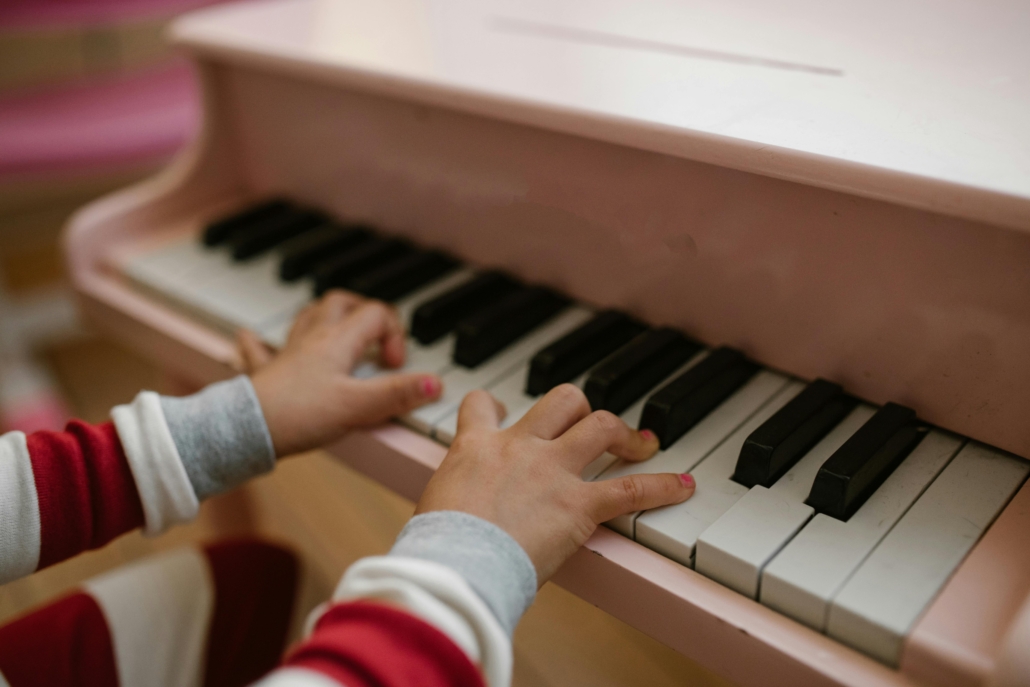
(306, 391)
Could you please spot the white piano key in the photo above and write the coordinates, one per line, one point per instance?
(737, 546)
(690, 450)
(887, 594)
(178, 273)
(208, 283)
(178, 262)
(631, 416)
(803, 578)
(447, 427)
(673, 530)
(250, 294)
(458, 381)
(511, 391)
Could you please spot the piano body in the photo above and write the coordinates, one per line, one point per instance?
(833, 191)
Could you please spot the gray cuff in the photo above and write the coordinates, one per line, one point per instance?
(221, 435)
(493, 563)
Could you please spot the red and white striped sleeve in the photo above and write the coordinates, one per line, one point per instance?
(62, 493)
(216, 616)
(440, 609)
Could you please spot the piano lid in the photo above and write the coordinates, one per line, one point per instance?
(920, 102)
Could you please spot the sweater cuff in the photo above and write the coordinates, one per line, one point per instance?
(164, 487)
(221, 435)
(492, 563)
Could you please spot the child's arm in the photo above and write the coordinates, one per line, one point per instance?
(499, 517)
(66, 492)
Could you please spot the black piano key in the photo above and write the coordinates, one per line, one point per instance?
(857, 468)
(300, 255)
(630, 372)
(679, 405)
(482, 335)
(578, 351)
(435, 318)
(337, 272)
(400, 277)
(783, 439)
(267, 233)
(221, 229)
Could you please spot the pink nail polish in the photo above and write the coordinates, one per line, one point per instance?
(430, 387)
(648, 435)
(687, 479)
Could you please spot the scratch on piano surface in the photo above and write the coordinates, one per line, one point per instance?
(613, 40)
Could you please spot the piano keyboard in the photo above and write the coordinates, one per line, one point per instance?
(847, 517)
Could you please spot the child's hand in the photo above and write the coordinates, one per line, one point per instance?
(525, 479)
(306, 391)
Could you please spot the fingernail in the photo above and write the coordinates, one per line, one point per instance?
(648, 435)
(430, 387)
(687, 479)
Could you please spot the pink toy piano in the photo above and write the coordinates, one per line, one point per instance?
(792, 239)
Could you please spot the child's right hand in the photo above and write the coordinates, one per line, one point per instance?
(526, 479)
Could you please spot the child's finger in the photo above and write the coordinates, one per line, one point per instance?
(561, 408)
(303, 322)
(373, 322)
(615, 497)
(602, 431)
(393, 349)
(396, 394)
(254, 354)
(335, 305)
(479, 409)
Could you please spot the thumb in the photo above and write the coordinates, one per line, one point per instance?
(615, 497)
(253, 352)
(391, 395)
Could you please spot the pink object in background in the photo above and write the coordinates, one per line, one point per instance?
(128, 121)
(124, 121)
(53, 13)
(45, 412)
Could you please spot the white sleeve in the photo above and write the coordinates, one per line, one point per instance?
(461, 574)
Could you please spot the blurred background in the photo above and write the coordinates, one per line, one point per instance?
(91, 99)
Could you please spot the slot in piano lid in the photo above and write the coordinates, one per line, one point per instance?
(835, 95)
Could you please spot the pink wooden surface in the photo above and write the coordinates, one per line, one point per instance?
(117, 122)
(959, 640)
(936, 124)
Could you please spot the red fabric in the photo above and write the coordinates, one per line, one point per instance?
(364, 644)
(66, 643)
(87, 495)
(255, 584)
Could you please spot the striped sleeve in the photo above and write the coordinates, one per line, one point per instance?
(438, 611)
(62, 493)
(212, 617)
